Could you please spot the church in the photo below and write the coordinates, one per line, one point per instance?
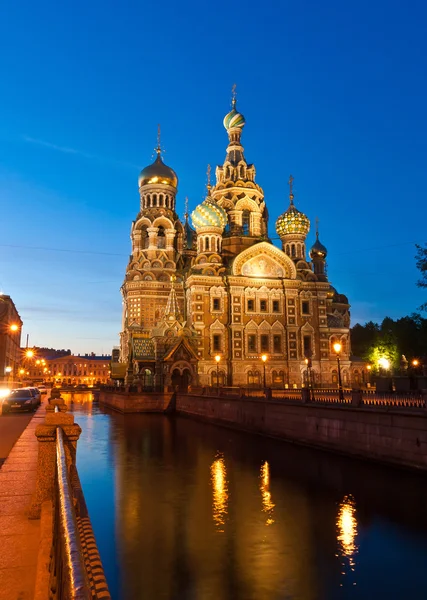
(211, 301)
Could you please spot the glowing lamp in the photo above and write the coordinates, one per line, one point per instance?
(337, 347)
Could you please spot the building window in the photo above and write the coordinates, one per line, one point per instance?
(276, 306)
(216, 304)
(305, 307)
(246, 220)
(264, 343)
(252, 343)
(251, 305)
(207, 244)
(277, 343)
(216, 342)
(263, 305)
(307, 345)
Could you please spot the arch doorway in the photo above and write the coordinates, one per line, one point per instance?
(181, 381)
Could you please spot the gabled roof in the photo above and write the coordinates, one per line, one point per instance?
(181, 342)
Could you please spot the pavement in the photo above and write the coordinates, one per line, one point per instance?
(11, 427)
(19, 536)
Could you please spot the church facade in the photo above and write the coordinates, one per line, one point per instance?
(215, 302)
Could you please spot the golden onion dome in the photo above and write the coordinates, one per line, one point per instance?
(292, 221)
(157, 173)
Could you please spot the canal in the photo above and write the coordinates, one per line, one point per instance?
(188, 510)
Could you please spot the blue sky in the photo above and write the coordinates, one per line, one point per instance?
(333, 92)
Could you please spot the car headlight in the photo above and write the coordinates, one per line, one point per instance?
(4, 392)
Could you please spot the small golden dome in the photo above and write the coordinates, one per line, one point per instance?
(157, 173)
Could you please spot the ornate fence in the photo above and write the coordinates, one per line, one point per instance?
(366, 398)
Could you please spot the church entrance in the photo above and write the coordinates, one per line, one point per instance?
(181, 381)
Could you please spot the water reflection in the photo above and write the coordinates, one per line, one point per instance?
(347, 533)
(160, 489)
(267, 504)
(220, 492)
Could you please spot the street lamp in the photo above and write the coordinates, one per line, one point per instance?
(29, 353)
(217, 358)
(14, 327)
(415, 362)
(264, 360)
(384, 363)
(337, 349)
(8, 371)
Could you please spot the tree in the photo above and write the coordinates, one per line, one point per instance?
(421, 258)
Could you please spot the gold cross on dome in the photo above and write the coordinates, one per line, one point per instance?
(208, 175)
(186, 206)
(317, 227)
(159, 146)
(291, 187)
(233, 95)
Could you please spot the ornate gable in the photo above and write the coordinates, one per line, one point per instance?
(264, 260)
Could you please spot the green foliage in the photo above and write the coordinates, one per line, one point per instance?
(392, 339)
(421, 258)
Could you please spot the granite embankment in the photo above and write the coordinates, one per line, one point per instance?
(393, 435)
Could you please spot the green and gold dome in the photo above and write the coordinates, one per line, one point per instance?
(158, 173)
(234, 118)
(292, 221)
(209, 214)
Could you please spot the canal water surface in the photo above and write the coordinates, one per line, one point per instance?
(191, 511)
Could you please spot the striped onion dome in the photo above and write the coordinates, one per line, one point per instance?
(234, 119)
(292, 221)
(209, 214)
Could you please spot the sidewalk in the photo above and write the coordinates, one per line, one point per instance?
(19, 537)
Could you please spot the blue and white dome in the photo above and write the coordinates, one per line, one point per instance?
(209, 214)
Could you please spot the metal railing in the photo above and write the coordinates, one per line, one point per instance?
(70, 567)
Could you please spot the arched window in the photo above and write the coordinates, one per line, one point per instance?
(207, 244)
(246, 222)
(161, 200)
(161, 239)
(293, 250)
(154, 199)
(334, 376)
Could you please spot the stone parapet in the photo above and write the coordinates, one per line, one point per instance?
(46, 460)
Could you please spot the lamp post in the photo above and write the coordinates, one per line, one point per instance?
(264, 360)
(337, 349)
(217, 358)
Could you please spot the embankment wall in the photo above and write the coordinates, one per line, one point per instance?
(395, 436)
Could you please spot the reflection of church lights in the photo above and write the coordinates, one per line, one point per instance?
(347, 531)
(267, 504)
(220, 492)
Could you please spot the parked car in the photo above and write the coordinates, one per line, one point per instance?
(23, 399)
(42, 389)
(36, 393)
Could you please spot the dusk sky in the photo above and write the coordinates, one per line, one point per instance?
(333, 92)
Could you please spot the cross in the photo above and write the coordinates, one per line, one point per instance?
(159, 147)
(317, 227)
(291, 186)
(233, 95)
(186, 207)
(208, 174)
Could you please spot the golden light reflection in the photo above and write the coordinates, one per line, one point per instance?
(347, 531)
(220, 492)
(264, 486)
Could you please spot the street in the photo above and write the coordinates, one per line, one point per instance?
(11, 427)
